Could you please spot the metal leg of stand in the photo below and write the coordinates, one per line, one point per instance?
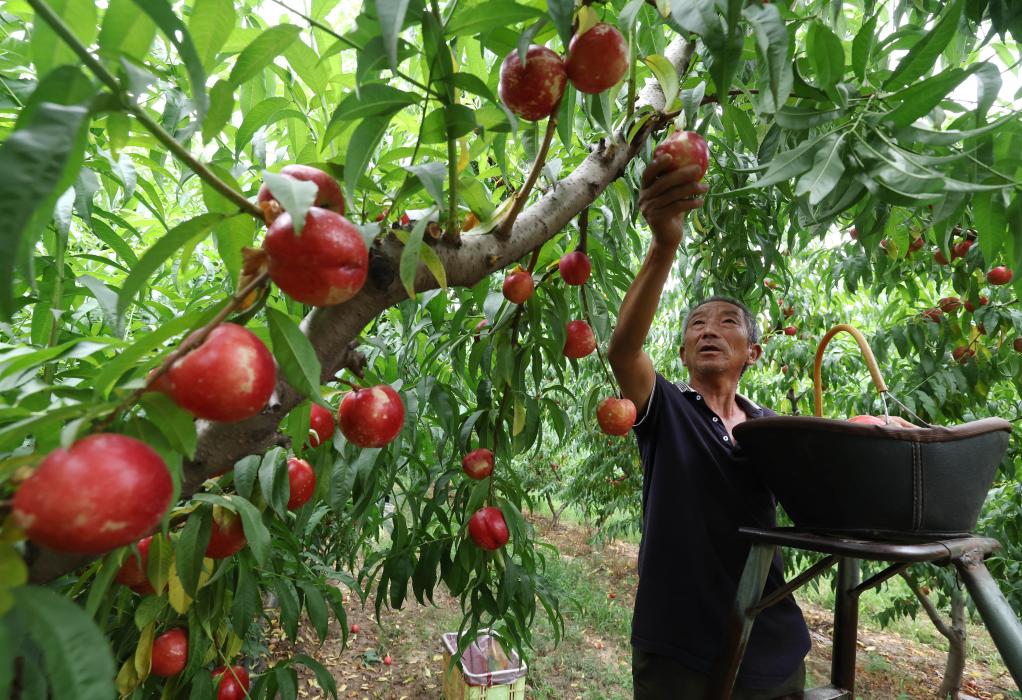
(739, 624)
(997, 614)
(846, 625)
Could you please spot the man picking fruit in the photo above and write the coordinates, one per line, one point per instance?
(697, 487)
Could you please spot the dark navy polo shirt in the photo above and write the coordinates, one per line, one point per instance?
(697, 490)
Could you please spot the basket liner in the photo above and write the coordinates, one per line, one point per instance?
(475, 662)
(836, 476)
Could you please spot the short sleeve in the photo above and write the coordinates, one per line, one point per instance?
(646, 423)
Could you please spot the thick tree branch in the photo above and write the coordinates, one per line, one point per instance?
(332, 330)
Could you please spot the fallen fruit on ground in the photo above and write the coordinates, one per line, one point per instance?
(478, 464)
(302, 480)
(579, 340)
(488, 529)
(371, 417)
(231, 683)
(103, 492)
(999, 275)
(327, 264)
(321, 425)
(532, 91)
(328, 196)
(518, 285)
(227, 535)
(598, 59)
(575, 267)
(355, 629)
(387, 661)
(170, 653)
(615, 416)
(685, 148)
(228, 378)
(867, 420)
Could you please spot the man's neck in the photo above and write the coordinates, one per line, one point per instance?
(719, 394)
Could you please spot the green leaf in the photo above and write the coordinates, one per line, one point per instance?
(363, 143)
(161, 252)
(946, 138)
(107, 300)
(261, 52)
(221, 105)
(273, 481)
(177, 34)
(667, 75)
(47, 49)
(489, 15)
(825, 53)
(210, 24)
(410, 256)
(76, 655)
(472, 83)
(372, 100)
(305, 63)
(429, 258)
(266, 112)
(323, 677)
(392, 18)
(126, 31)
(797, 117)
(826, 172)
(922, 58)
(917, 101)
(295, 355)
(246, 470)
(785, 165)
(772, 48)
(246, 604)
(177, 426)
(432, 175)
(562, 12)
(295, 196)
(287, 597)
(35, 160)
(862, 47)
(316, 609)
(191, 548)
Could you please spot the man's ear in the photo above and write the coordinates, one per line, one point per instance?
(755, 352)
(681, 354)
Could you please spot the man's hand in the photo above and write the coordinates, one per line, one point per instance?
(665, 197)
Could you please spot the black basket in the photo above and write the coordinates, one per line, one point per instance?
(877, 481)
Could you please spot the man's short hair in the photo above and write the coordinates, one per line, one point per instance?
(747, 316)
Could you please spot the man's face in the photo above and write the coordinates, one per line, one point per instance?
(717, 341)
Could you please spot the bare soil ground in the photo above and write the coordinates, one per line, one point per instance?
(590, 663)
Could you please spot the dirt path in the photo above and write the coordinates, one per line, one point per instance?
(890, 667)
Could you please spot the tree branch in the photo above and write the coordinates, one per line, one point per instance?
(333, 330)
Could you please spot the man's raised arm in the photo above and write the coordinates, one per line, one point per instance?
(666, 196)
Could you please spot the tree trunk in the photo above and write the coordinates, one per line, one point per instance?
(954, 668)
(955, 633)
(333, 330)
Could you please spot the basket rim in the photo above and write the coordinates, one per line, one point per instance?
(832, 425)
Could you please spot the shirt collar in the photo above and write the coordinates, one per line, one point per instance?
(750, 407)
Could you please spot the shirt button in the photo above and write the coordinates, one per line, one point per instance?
(698, 397)
(725, 438)
(715, 419)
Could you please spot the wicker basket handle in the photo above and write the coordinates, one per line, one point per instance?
(867, 353)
